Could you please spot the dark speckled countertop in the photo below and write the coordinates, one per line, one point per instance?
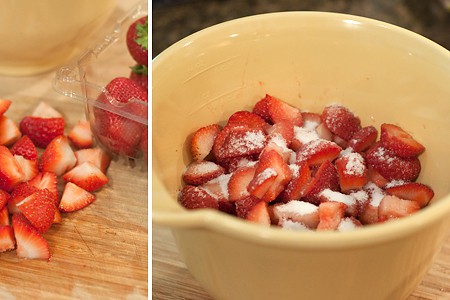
(176, 19)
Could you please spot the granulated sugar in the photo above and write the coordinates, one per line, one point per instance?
(295, 169)
(264, 175)
(337, 197)
(204, 167)
(251, 140)
(295, 208)
(361, 196)
(305, 134)
(355, 164)
(376, 193)
(346, 225)
(394, 183)
(292, 225)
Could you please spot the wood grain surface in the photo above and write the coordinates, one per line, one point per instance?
(101, 251)
(172, 281)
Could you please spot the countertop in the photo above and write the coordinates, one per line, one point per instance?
(176, 19)
(101, 251)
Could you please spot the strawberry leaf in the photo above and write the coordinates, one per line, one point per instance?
(142, 34)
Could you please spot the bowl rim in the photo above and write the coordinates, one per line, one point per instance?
(437, 212)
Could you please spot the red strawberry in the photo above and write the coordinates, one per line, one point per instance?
(86, 176)
(311, 118)
(232, 164)
(399, 141)
(249, 119)
(4, 216)
(390, 166)
(42, 130)
(297, 211)
(97, 156)
(218, 188)
(7, 241)
(352, 171)
(44, 110)
(58, 157)
(10, 172)
(363, 139)
(46, 180)
(39, 209)
(137, 40)
(4, 197)
(4, 105)
(58, 217)
(348, 224)
(199, 172)
(392, 207)
(19, 193)
(203, 141)
(194, 197)
(316, 152)
(239, 181)
(74, 198)
(330, 215)
(259, 214)
(29, 167)
(139, 74)
(283, 129)
(341, 121)
(243, 206)
(274, 110)
(326, 177)
(25, 147)
(81, 135)
(30, 243)
(227, 207)
(143, 144)
(414, 191)
(9, 131)
(119, 134)
(375, 177)
(352, 206)
(261, 182)
(296, 188)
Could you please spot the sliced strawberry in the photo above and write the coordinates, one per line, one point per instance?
(311, 118)
(351, 209)
(81, 135)
(19, 193)
(203, 141)
(283, 129)
(194, 197)
(30, 243)
(348, 224)
(29, 167)
(86, 176)
(9, 131)
(243, 206)
(249, 119)
(318, 151)
(330, 215)
(97, 156)
(58, 157)
(218, 187)
(74, 198)
(7, 241)
(4, 197)
(369, 212)
(352, 171)
(227, 207)
(363, 139)
(414, 191)
(4, 216)
(58, 217)
(235, 163)
(259, 214)
(341, 121)
(297, 211)
(326, 177)
(296, 187)
(239, 182)
(199, 172)
(261, 182)
(39, 209)
(278, 144)
(42, 130)
(324, 133)
(45, 110)
(304, 135)
(399, 141)
(392, 207)
(25, 147)
(46, 180)
(4, 105)
(375, 177)
(390, 166)
(11, 173)
(274, 110)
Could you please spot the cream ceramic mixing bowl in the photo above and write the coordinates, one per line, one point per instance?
(37, 36)
(310, 59)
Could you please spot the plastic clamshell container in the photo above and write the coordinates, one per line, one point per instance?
(85, 81)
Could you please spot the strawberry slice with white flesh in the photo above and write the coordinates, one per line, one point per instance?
(7, 241)
(86, 176)
(296, 187)
(58, 157)
(199, 172)
(4, 105)
(352, 171)
(11, 173)
(415, 191)
(97, 156)
(194, 197)
(203, 141)
(274, 110)
(81, 135)
(399, 141)
(30, 243)
(29, 167)
(9, 131)
(45, 110)
(239, 182)
(297, 211)
(392, 207)
(74, 198)
(330, 215)
(4, 216)
(259, 214)
(46, 180)
(317, 151)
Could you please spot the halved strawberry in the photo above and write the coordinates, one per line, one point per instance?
(239, 182)
(58, 157)
(9, 131)
(375, 177)
(42, 130)
(399, 141)
(194, 197)
(25, 147)
(297, 211)
(39, 209)
(243, 206)
(363, 139)
(97, 156)
(328, 195)
(81, 135)
(259, 214)
(74, 198)
(392, 207)
(86, 176)
(318, 151)
(19, 193)
(330, 215)
(45, 110)
(203, 141)
(4, 216)
(249, 119)
(278, 144)
(274, 110)
(352, 171)
(283, 129)
(46, 180)
(414, 191)
(296, 187)
(4, 105)
(348, 224)
(199, 172)
(7, 241)
(341, 121)
(218, 188)
(261, 182)
(11, 173)
(29, 167)
(369, 212)
(390, 166)
(4, 197)
(234, 163)
(326, 177)
(30, 243)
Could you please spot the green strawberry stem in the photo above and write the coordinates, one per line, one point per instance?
(142, 34)
(140, 70)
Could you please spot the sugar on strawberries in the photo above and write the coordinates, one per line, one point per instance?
(277, 165)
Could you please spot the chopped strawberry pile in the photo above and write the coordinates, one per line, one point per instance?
(279, 166)
(44, 173)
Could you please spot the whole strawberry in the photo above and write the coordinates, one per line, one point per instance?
(41, 131)
(119, 134)
(137, 40)
(139, 74)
